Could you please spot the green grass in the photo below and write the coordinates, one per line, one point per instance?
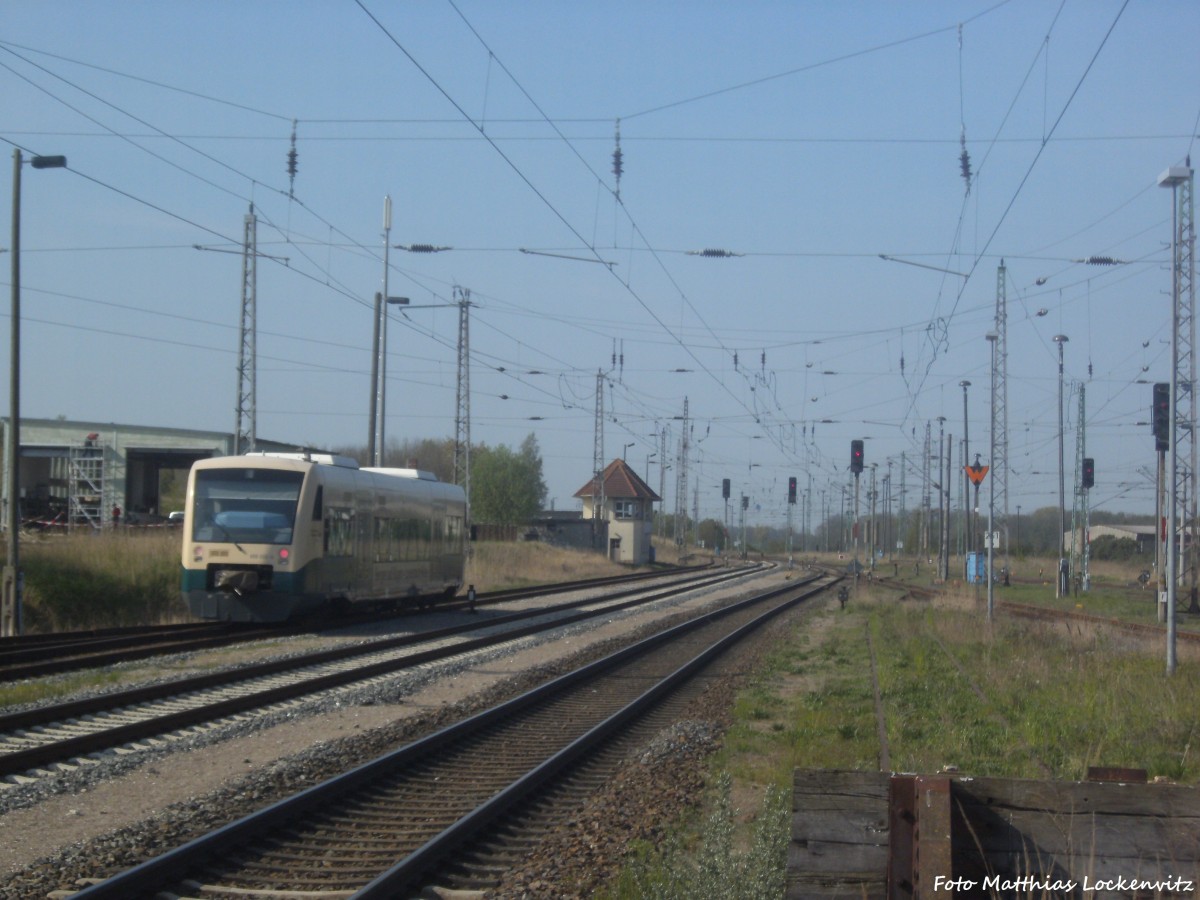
(1050, 698)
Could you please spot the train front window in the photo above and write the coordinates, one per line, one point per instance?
(253, 506)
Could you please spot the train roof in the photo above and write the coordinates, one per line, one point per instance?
(320, 459)
(406, 473)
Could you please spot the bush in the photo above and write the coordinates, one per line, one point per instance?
(1114, 548)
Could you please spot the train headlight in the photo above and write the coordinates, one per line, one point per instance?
(284, 553)
(198, 553)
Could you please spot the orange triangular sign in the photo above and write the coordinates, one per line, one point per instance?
(976, 473)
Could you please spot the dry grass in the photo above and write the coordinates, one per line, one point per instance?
(107, 579)
(499, 565)
(94, 580)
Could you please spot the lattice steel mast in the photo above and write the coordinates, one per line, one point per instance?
(927, 492)
(1185, 376)
(999, 463)
(681, 480)
(462, 416)
(598, 454)
(245, 428)
(1080, 514)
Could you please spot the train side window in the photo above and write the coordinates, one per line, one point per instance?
(318, 503)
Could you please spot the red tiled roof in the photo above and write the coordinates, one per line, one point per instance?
(620, 482)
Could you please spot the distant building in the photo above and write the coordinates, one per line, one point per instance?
(621, 500)
(76, 473)
(1143, 536)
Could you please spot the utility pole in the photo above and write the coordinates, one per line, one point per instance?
(926, 493)
(943, 502)
(1080, 515)
(662, 483)
(1183, 334)
(681, 481)
(598, 457)
(380, 443)
(968, 518)
(999, 471)
(462, 416)
(245, 426)
(1062, 588)
(872, 537)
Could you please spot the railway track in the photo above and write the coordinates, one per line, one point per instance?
(415, 816)
(37, 743)
(1048, 614)
(35, 656)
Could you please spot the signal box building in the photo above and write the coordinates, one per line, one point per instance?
(94, 475)
(620, 498)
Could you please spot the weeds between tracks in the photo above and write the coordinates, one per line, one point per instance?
(1002, 700)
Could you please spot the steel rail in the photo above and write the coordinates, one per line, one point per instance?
(32, 757)
(33, 656)
(172, 866)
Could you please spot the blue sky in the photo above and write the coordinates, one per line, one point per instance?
(810, 139)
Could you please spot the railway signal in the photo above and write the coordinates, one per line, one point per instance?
(792, 490)
(1160, 416)
(856, 456)
(724, 488)
(1089, 472)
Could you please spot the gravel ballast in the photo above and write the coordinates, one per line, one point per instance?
(127, 808)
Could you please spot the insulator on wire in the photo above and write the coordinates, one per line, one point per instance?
(713, 253)
(618, 161)
(292, 167)
(421, 248)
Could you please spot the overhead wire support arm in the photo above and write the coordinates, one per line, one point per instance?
(909, 262)
(586, 259)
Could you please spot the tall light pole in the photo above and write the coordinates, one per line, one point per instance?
(10, 603)
(1061, 588)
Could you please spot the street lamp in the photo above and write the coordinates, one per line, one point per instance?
(1061, 588)
(10, 604)
(626, 447)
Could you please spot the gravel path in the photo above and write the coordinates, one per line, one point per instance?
(131, 807)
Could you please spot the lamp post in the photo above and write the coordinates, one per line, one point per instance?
(10, 604)
(1061, 588)
(625, 448)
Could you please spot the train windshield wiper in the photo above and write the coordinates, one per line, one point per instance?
(225, 531)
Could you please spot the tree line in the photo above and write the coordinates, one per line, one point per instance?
(507, 487)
